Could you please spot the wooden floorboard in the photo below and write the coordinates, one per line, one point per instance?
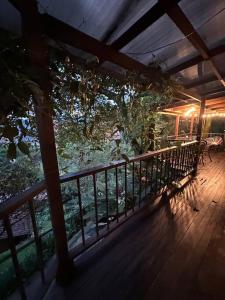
(176, 253)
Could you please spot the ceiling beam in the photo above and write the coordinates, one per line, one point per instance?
(65, 33)
(210, 97)
(215, 101)
(179, 18)
(215, 104)
(178, 104)
(213, 92)
(201, 81)
(218, 109)
(195, 60)
(101, 70)
(151, 16)
(83, 63)
(189, 94)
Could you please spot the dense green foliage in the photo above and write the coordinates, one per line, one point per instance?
(88, 106)
(19, 174)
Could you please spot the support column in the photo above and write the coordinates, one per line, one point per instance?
(38, 53)
(200, 121)
(191, 126)
(199, 134)
(177, 126)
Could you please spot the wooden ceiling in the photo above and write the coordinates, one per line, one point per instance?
(212, 106)
(111, 52)
(107, 51)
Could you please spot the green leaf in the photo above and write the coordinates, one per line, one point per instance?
(23, 147)
(11, 153)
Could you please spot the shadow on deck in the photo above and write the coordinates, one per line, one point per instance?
(176, 253)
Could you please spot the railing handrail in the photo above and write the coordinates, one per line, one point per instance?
(92, 208)
(194, 133)
(17, 201)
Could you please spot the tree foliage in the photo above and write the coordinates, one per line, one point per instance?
(18, 174)
(88, 106)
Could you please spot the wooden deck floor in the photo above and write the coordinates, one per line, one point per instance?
(177, 253)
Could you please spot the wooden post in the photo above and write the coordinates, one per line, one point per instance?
(200, 121)
(199, 134)
(177, 126)
(38, 53)
(192, 126)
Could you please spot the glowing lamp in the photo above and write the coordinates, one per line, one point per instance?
(189, 111)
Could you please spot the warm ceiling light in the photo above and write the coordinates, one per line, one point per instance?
(189, 111)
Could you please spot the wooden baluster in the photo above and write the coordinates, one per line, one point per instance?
(37, 240)
(12, 248)
(133, 186)
(106, 198)
(80, 211)
(140, 175)
(96, 205)
(125, 174)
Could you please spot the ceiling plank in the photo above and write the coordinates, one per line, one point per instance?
(221, 110)
(213, 92)
(220, 95)
(180, 104)
(151, 16)
(179, 18)
(201, 81)
(215, 100)
(195, 60)
(65, 33)
(214, 103)
(209, 102)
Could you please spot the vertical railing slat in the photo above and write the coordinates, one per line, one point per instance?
(152, 176)
(146, 177)
(125, 182)
(12, 248)
(37, 239)
(133, 184)
(96, 204)
(106, 198)
(140, 177)
(156, 174)
(117, 195)
(80, 211)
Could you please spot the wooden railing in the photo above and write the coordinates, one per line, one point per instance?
(187, 136)
(96, 201)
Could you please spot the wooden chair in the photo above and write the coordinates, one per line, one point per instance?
(214, 143)
(204, 149)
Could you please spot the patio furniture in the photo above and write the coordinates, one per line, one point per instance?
(214, 143)
(204, 149)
